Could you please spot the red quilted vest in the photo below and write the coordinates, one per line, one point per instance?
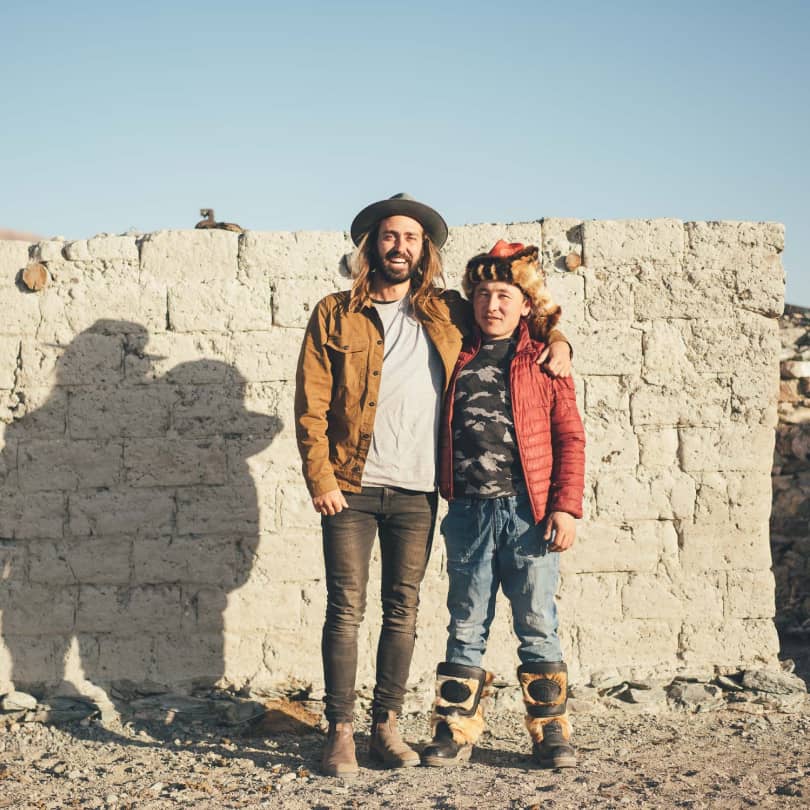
(550, 438)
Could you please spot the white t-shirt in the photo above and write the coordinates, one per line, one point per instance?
(406, 426)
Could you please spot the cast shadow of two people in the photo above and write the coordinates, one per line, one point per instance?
(137, 515)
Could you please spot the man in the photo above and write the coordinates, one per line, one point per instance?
(512, 465)
(373, 367)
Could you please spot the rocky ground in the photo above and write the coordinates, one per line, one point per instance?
(737, 742)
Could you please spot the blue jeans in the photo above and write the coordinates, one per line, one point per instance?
(494, 543)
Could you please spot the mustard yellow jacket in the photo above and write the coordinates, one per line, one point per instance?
(338, 381)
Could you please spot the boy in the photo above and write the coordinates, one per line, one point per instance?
(512, 466)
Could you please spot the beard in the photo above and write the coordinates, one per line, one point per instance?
(396, 274)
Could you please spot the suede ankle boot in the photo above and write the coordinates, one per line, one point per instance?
(457, 719)
(338, 754)
(386, 745)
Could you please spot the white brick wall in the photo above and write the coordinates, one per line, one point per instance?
(152, 506)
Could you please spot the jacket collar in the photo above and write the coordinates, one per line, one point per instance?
(524, 341)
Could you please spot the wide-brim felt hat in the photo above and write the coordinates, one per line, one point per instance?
(400, 205)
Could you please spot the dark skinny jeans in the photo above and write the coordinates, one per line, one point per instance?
(404, 521)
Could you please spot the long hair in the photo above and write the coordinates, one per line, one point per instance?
(426, 283)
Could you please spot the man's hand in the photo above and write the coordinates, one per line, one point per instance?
(330, 503)
(556, 359)
(565, 528)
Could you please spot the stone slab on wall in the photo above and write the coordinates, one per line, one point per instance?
(154, 525)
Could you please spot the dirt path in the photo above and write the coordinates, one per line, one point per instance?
(722, 759)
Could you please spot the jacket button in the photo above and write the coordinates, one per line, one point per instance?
(365, 435)
(379, 343)
(375, 373)
(371, 404)
(345, 347)
(356, 469)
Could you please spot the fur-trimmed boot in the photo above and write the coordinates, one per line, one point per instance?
(457, 720)
(545, 693)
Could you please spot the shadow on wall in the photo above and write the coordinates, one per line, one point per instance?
(134, 516)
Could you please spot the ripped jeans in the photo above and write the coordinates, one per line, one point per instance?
(492, 543)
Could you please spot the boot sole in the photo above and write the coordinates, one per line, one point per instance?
(447, 762)
(380, 759)
(560, 762)
(340, 774)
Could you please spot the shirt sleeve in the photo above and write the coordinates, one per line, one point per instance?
(313, 390)
(568, 444)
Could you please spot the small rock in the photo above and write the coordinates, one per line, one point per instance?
(639, 685)
(509, 699)
(583, 692)
(728, 684)
(695, 674)
(418, 701)
(696, 697)
(18, 702)
(604, 679)
(744, 707)
(288, 777)
(773, 681)
(782, 703)
(65, 710)
(130, 690)
(585, 706)
(795, 369)
(35, 276)
(788, 790)
(649, 696)
(236, 713)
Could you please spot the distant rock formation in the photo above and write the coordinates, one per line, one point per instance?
(21, 236)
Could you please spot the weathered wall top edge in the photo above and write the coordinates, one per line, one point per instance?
(141, 235)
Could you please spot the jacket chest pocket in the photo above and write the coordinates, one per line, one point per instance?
(349, 359)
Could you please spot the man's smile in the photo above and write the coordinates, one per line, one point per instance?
(397, 258)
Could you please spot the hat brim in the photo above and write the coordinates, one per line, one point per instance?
(430, 220)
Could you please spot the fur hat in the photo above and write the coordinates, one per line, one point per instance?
(514, 263)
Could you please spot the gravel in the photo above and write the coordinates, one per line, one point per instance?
(630, 755)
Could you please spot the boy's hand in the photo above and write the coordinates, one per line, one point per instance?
(330, 503)
(565, 528)
(556, 359)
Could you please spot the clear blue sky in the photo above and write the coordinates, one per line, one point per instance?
(286, 116)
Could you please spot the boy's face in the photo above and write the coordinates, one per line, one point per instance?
(497, 307)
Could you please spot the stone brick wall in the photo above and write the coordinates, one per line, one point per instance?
(790, 521)
(154, 526)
